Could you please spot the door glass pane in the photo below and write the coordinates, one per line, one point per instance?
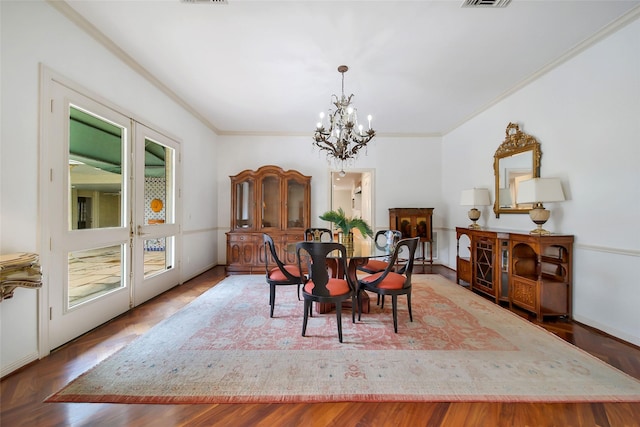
(95, 171)
(158, 183)
(244, 211)
(295, 204)
(158, 255)
(94, 272)
(271, 203)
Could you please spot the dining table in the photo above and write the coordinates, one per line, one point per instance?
(357, 255)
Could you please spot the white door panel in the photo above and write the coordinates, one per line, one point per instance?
(89, 257)
(157, 214)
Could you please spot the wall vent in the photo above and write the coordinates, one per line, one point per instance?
(486, 3)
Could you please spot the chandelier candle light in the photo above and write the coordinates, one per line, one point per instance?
(339, 133)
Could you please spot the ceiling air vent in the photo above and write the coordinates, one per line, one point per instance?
(205, 1)
(486, 3)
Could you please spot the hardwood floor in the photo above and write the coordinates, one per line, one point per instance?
(23, 392)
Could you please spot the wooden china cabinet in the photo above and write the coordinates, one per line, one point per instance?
(267, 200)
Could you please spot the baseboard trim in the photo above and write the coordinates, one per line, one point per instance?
(6, 370)
(606, 330)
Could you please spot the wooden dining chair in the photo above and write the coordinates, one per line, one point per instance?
(394, 283)
(321, 287)
(322, 235)
(279, 274)
(318, 235)
(382, 238)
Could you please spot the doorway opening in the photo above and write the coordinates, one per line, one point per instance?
(353, 192)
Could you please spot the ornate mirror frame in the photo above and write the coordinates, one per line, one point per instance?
(517, 159)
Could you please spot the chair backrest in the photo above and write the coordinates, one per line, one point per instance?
(385, 238)
(404, 265)
(317, 254)
(270, 249)
(318, 235)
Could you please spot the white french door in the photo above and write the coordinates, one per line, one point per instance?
(111, 213)
(156, 219)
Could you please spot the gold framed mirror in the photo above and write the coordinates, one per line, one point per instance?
(516, 159)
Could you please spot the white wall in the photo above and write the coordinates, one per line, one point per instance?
(407, 174)
(32, 33)
(586, 116)
(342, 199)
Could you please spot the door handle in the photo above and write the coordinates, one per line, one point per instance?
(140, 233)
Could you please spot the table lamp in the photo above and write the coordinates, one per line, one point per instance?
(539, 191)
(475, 197)
(505, 198)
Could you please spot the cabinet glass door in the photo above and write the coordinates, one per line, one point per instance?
(244, 200)
(271, 202)
(504, 270)
(484, 252)
(421, 227)
(295, 204)
(405, 227)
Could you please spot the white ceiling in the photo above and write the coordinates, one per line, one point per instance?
(419, 67)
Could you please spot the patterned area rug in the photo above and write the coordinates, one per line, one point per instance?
(224, 348)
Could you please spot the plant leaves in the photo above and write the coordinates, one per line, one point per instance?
(346, 224)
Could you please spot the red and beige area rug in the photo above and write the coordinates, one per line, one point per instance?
(224, 348)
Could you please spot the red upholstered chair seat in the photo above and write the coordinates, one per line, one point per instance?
(375, 265)
(277, 274)
(335, 287)
(392, 281)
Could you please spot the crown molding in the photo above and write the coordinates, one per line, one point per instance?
(91, 30)
(614, 26)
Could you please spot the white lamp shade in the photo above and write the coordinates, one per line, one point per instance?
(540, 190)
(475, 197)
(505, 197)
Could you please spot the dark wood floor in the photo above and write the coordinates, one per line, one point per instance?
(23, 392)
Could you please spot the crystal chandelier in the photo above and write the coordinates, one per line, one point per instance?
(344, 137)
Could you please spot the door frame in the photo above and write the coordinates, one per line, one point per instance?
(361, 171)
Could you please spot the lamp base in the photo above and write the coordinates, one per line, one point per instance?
(539, 231)
(474, 215)
(539, 215)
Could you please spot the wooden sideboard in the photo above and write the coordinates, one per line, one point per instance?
(415, 222)
(532, 272)
(267, 200)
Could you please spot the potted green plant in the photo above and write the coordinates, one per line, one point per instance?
(346, 224)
